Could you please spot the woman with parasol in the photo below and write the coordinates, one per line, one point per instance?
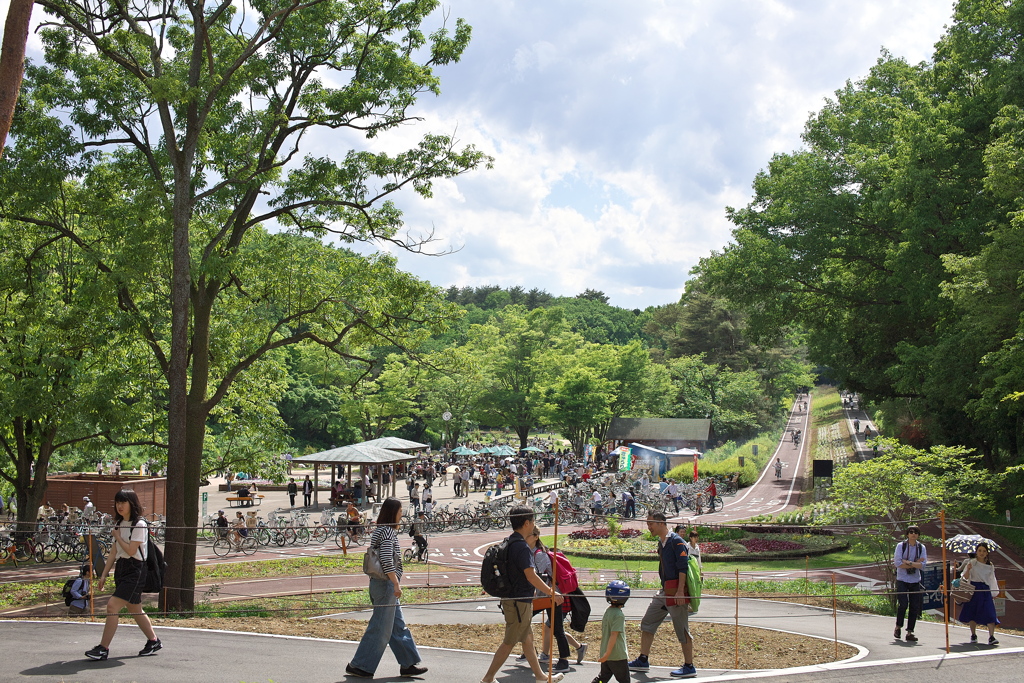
(980, 609)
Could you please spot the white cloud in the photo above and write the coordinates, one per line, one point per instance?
(621, 130)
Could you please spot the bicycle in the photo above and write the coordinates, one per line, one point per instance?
(345, 534)
(246, 545)
(410, 554)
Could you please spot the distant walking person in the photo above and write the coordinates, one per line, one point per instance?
(856, 426)
(778, 468)
(307, 492)
(128, 560)
(293, 490)
(387, 625)
(980, 609)
(910, 557)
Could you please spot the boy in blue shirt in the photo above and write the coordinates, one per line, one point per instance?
(614, 656)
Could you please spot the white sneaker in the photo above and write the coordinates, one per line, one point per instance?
(555, 678)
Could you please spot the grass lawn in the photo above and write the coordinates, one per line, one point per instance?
(294, 566)
(857, 554)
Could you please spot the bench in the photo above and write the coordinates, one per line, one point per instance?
(243, 501)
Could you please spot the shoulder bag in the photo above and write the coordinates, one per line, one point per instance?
(371, 563)
(963, 589)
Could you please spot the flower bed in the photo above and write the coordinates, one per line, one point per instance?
(714, 548)
(599, 534)
(768, 545)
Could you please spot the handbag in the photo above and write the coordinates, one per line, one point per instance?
(963, 589)
(371, 563)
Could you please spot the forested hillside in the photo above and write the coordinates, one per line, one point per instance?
(895, 238)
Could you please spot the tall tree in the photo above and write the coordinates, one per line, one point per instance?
(200, 109)
(12, 62)
(515, 342)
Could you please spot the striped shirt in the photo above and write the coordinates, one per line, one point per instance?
(385, 538)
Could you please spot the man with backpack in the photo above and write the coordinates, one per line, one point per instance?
(509, 573)
(673, 565)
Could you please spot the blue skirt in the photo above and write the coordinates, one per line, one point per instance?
(980, 609)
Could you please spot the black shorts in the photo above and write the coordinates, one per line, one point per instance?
(129, 578)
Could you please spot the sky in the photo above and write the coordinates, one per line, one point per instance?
(621, 130)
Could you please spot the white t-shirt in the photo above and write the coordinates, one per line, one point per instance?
(129, 534)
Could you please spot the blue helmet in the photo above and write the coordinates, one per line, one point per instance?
(617, 590)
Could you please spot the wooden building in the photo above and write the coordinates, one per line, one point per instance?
(71, 488)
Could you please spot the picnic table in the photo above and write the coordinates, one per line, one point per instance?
(244, 501)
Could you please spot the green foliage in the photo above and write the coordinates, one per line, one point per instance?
(907, 483)
(893, 237)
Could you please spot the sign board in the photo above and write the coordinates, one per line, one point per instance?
(931, 579)
(625, 459)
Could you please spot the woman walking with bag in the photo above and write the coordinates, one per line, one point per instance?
(387, 625)
(980, 609)
(130, 540)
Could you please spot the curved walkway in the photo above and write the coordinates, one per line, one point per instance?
(52, 651)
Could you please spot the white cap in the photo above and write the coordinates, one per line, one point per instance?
(85, 497)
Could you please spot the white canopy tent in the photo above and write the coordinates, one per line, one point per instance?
(364, 454)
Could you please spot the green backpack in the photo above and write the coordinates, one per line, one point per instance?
(694, 584)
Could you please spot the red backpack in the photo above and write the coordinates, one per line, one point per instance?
(565, 576)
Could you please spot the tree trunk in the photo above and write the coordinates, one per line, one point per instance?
(524, 436)
(12, 62)
(180, 571)
(30, 489)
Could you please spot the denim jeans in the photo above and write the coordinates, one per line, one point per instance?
(386, 627)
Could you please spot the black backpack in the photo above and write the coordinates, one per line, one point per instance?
(494, 573)
(156, 566)
(66, 591)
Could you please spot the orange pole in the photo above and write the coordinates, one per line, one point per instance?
(554, 573)
(835, 615)
(92, 607)
(946, 578)
(736, 645)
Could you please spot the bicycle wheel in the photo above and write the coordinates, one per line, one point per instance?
(46, 552)
(221, 547)
(342, 539)
(407, 555)
(277, 536)
(319, 534)
(484, 523)
(302, 535)
(262, 536)
(248, 545)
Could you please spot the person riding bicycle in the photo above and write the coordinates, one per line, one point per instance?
(221, 524)
(238, 530)
(355, 519)
(418, 533)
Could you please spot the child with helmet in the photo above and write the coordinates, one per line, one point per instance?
(614, 657)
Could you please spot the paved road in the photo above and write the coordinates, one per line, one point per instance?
(52, 651)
